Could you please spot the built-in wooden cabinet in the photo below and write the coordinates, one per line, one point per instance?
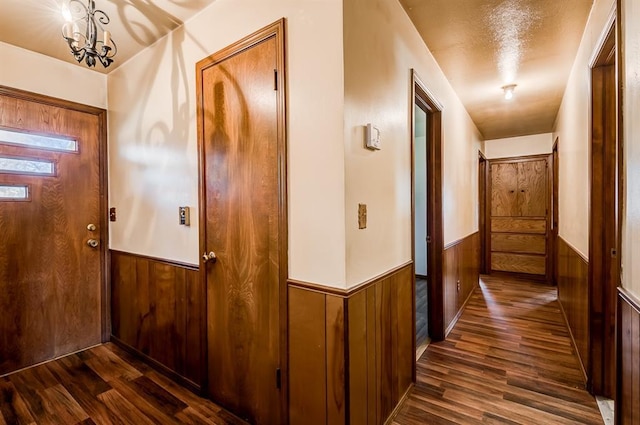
(519, 205)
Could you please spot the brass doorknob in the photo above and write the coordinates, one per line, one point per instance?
(93, 243)
(210, 257)
(91, 227)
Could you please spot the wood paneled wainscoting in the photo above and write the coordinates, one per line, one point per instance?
(628, 352)
(158, 313)
(461, 273)
(573, 296)
(351, 353)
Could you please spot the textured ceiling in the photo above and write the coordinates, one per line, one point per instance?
(37, 24)
(483, 45)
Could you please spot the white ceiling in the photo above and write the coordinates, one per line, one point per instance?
(481, 45)
(135, 24)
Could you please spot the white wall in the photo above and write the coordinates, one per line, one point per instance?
(153, 144)
(631, 137)
(381, 46)
(536, 144)
(573, 130)
(26, 70)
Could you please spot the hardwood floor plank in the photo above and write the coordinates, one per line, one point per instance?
(509, 360)
(61, 405)
(102, 386)
(13, 409)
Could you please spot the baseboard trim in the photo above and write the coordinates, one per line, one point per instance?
(574, 345)
(459, 313)
(396, 410)
(187, 383)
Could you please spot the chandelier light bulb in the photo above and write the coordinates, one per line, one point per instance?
(508, 91)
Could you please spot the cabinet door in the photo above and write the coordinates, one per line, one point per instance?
(532, 188)
(504, 186)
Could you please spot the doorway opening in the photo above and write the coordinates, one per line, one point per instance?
(604, 232)
(427, 230)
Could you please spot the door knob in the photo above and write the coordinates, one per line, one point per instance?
(211, 256)
(91, 227)
(93, 243)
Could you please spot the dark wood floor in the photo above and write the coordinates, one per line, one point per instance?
(422, 306)
(103, 385)
(507, 361)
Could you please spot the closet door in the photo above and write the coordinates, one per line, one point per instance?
(519, 215)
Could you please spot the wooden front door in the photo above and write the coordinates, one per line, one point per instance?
(51, 198)
(244, 223)
(520, 199)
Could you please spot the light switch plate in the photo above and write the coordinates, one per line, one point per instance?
(362, 216)
(372, 137)
(184, 218)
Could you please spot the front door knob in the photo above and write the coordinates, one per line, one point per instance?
(91, 227)
(211, 256)
(93, 243)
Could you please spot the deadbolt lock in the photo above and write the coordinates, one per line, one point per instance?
(93, 243)
(91, 227)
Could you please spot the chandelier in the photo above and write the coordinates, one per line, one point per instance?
(81, 30)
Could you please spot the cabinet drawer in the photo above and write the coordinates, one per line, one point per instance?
(518, 263)
(519, 225)
(518, 243)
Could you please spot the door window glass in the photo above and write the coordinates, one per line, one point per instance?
(37, 141)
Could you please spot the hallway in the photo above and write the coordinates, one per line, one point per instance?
(508, 360)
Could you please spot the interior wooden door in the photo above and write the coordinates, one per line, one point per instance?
(51, 271)
(244, 207)
(519, 215)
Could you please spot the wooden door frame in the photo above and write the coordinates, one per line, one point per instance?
(101, 114)
(602, 300)
(483, 166)
(549, 246)
(435, 230)
(276, 30)
(555, 214)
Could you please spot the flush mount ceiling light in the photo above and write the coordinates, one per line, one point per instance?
(508, 91)
(80, 31)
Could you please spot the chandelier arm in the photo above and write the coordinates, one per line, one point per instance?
(103, 18)
(79, 6)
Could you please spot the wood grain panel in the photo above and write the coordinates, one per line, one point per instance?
(504, 193)
(336, 340)
(158, 311)
(358, 366)
(307, 357)
(628, 352)
(519, 243)
(52, 284)
(519, 225)
(573, 296)
(532, 188)
(357, 349)
(461, 265)
(518, 263)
